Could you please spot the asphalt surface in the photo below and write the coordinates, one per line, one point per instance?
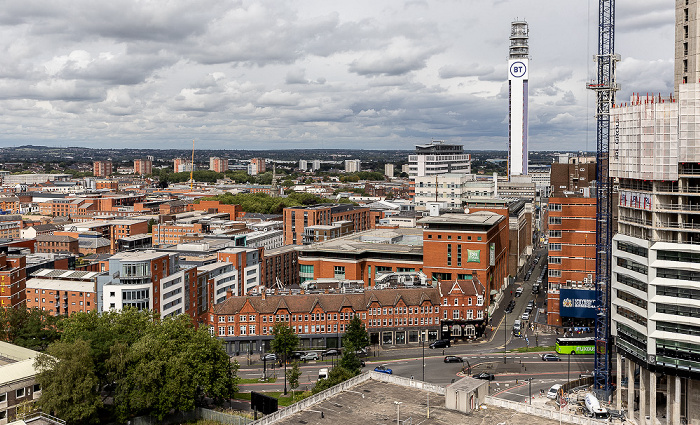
(486, 355)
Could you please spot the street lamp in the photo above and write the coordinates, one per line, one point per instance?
(568, 370)
(285, 373)
(529, 382)
(423, 344)
(398, 410)
(505, 334)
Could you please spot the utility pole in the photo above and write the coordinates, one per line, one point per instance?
(423, 344)
(505, 334)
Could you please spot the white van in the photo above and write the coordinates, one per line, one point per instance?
(323, 373)
(553, 391)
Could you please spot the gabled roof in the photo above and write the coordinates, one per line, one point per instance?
(305, 303)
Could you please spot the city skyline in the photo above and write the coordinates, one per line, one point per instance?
(311, 74)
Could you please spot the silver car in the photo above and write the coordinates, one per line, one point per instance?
(309, 356)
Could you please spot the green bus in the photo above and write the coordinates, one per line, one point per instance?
(575, 345)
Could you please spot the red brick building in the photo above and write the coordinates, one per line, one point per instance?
(296, 219)
(143, 166)
(57, 244)
(102, 168)
(62, 292)
(13, 276)
(461, 246)
(572, 253)
(392, 317)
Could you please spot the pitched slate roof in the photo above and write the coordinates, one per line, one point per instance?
(305, 303)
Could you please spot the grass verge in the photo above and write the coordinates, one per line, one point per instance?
(256, 381)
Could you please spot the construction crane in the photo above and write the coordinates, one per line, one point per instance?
(192, 167)
(605, 88)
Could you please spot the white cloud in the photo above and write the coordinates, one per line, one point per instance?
(367, 74)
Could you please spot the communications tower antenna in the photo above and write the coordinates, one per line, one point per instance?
(192, 167)
(605, 88)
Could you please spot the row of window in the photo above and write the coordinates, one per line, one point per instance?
(678, 310)
(632, 249)
(631, 282)
(43, 291)
(632, 265)
(43, 300)
(678, 274)
(693, 294)
(625, 296)
(449, 237)
(683, 257)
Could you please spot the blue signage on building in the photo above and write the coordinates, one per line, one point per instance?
(577, 303)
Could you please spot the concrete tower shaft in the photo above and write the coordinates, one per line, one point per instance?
(518, 97)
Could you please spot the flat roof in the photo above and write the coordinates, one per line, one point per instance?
(66, 274)
(484, 218)
(61, 285)
(373, 402)
(401, 240)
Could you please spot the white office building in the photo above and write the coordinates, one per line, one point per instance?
(438, 157)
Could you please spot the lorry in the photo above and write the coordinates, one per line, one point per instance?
(593, 406)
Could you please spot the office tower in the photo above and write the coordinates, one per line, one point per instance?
(303, 165)
(389, 170)
(518, 69)
(437, 157)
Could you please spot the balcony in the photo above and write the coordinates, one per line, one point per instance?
(679, 207)
(677, 225)
(633, 220)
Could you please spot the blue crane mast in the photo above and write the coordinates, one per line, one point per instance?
(605, 88)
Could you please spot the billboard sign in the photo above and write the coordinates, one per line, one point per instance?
(473, 256)
(492, 254)
(577, 303)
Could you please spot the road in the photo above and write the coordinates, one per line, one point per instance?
(483, 356)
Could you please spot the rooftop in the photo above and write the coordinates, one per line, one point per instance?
(401, 240)
(483, 218)
(373, 401)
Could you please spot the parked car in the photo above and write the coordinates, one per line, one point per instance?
(309, 356)
(519, 291)
(361, 352)
(550, 358)
(553, 391)
(525, 316)
(332, 352)
(383, 369)
(453, 359)
(509, 309)
(269, 357)
(323, 373)
(484, 375)
(440, 343)
(296, 355)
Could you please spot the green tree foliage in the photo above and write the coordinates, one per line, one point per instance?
(293, 376)
(30, 328)
(68, 380)
(284, 340)
(362, 175)
(147, 366)
(266, 204)
(337, 375)
(356, 336)
(350, 362)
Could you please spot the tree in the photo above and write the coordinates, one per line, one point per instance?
(30, 328)
(337, 375)
(350, 362)
(285, 341)
(293, 376)
(68, 380)
(356, 336)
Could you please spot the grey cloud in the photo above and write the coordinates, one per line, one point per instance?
(473, 70)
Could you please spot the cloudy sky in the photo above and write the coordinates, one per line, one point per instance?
(365, 74)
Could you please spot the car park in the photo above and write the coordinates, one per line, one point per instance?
(453, 359)
(484, 375)
(383, 369)
(525, 316)
(309, 356)
(550, 358)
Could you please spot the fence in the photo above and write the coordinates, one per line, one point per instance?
(198, 413)
(543, 412)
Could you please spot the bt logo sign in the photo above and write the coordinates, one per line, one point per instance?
(517, 69)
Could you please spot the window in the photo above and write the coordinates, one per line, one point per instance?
(555, 207)
(444, 301)
(633, 249)
(222, 319)
(455, 314)
(444, 314)
(3, 398)
(554, 220)
(252, 329)
(339, 272)
(19, 393)
(554, 260)
(555, 247)
(555, 233)
(479, 300)
(222, 330)
(230, 319)
(637, 267)
(456, 301)
(243, 329)
(554, 273)
(230, 330)
(251, 318)
(242, 318)
(469, 301)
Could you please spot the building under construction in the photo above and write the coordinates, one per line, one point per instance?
(655, 313)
